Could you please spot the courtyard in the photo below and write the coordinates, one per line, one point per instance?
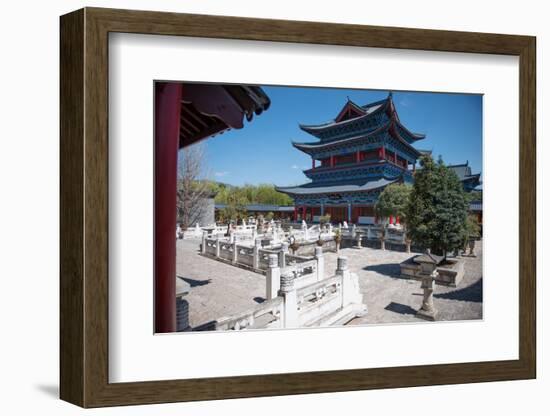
(218, 289)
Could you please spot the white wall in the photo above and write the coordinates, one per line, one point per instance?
(29, 210)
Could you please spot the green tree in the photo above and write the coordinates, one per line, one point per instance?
(235, 207)
(472, 229)
(394, 200)
(252, 194)
(438, 208)
(267, 194)
(475, 196)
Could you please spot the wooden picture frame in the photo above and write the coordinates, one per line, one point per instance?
(84, 207)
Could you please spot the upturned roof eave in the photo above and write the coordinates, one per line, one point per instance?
(315, 129)
(309, 148)
(307, 189)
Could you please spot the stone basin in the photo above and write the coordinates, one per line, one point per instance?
(449, 273)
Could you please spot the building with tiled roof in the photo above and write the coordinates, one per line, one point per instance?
(464, 172)
(359, 153)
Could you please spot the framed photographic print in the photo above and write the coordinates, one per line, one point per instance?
(255, 207)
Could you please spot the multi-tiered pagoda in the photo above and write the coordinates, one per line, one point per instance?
(359, 153)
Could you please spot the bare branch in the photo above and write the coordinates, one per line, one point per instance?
(192, 187)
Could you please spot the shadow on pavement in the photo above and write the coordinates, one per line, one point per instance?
(471, 293)
(400, 308)
(389, 269)
(195, 282)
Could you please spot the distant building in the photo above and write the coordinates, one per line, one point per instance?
(464, 172)
(359, 153)
(476, 208)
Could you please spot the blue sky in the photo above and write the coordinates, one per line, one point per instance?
(261, 152)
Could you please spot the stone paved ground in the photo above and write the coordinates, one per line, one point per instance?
(219, 289)
(392, 299)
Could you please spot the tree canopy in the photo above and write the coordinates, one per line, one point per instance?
(237, 197)
(393, 200)
(437, 208)
(250, 194)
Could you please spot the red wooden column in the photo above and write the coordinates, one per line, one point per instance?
(167, 126)
(304, 213)
(295, 213)
(357, 156)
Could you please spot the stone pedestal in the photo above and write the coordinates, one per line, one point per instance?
(358, 237)
(471, 246)
(427, 310)
(182, 306)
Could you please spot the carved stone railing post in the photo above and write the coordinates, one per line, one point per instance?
(203, 243)
(235, 252)
(341, 265)
(272, 278)
(353, 230)
(350, 283)
(290, 307)
(342, 270)
(368, 233)
(282, 255)
(256, 254)
(320, 263)
(218, 245)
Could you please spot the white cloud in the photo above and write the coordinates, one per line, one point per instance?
(295, 167)
(221, 174)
